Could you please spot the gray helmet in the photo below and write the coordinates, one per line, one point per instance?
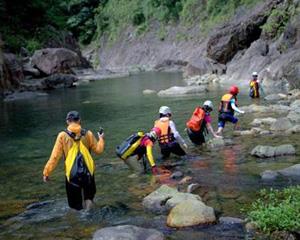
(208, 104)
(165, 110)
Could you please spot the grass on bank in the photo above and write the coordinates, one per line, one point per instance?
(277, 210)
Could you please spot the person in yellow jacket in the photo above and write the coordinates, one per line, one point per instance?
(254, 86)
(74, 146)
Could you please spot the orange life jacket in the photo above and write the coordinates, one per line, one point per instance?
(197, 119)
(166, 134)
(225, 106)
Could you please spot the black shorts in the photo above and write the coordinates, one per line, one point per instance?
(197, 138)
(77, 193)
(172, 147)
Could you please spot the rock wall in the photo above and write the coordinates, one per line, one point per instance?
(235, 49)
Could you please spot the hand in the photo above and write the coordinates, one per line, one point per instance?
(218, 136)
(242, 112)
(100, 133)
(154, 170)
(46, 179)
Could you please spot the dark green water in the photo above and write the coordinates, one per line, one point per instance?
(229, 177)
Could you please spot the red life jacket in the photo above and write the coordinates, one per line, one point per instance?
(196, 120)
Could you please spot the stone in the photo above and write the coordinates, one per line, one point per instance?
(293, 171)
(17, 96)
(149, 92)
(182, 91)
(176, 175)
(260, 121)
(59, 80)
(14, 70)
(202, 66)
(202, 79)
(231, 220)
(269, 175)
(268, 151)
(296, 104)
(216, 143)
(295, 129)
(165, 198)
(29, 70)
(275, 97)
(128, 232)
(282, 124)
(55, 60)
(190, 213)
(244, 133)
(294, 117)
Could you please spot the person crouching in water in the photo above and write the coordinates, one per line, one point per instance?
(254, 86)
(75, 144)
(170, 139)
(139, 145)
(228, 106)
(200, 122)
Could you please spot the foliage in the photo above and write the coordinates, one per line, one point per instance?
(277, 210)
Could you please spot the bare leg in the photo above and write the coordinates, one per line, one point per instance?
(236, 126)
(88, 204)
(220, 131)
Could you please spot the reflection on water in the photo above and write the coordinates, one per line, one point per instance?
(228, 176)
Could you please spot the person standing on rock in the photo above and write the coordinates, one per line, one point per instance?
(228, 106)
(74, 145)
(200, 122)
(254, 86)
(170, 139)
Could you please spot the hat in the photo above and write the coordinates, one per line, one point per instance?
(73, 116)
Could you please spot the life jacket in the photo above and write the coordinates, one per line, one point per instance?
(225, 106)
(79, 163)
(196, 121)
(129, 146)
(166, 133)
(254, 89)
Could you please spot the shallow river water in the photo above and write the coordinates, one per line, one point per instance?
(228, 176)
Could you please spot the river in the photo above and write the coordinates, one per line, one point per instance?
(229, 177)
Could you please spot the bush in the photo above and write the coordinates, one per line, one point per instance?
(277, 210)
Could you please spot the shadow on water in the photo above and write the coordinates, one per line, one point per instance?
(228, 176)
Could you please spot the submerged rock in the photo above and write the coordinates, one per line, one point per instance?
(59, 80)
(275, 97)
(268, 151)
(127, 232)
(176, 175)
(231, 220)
(24, 95)
(190, 213)
(260, 121)
(269, 175)
(293, 171)
(165, 198)
(281, 124)
(182, 91)
(202, 79)
(149, 92)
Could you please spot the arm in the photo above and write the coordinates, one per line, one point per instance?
(235, 108)
(96, 146)
(210, 128)
(55, 156)
(176, 133)
(150, 156)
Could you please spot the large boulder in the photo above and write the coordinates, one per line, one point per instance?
(282, 124)
(190, 213)
(205, 79)
(59, 80)
(165, 198)
(269, 151)
(55, 60)
(127, 232)
(182, 91)
(262, 121)
(294, 129)
(227, 40)
(275, 97)
(293, 171)
(14, 70)
(202, 66)
(294, 117)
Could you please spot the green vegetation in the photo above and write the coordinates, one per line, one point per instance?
(277, 210)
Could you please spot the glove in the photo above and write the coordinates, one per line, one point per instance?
(154, 170)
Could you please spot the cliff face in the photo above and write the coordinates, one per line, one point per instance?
(263, 39)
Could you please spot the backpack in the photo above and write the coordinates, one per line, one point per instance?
(128, 147)
(79, 163)
(197, 119)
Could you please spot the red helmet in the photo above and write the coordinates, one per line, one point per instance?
(234, 90)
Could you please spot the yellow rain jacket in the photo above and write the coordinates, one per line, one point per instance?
(64, 144)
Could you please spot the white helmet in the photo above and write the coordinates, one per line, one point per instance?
(165, 110)
(254, 74)
(209, 104)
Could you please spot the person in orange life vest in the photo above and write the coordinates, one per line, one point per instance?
(228, 106)
(80, 190)
(254, 86)
(200, 122)
(170, 139)
(145, 148)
